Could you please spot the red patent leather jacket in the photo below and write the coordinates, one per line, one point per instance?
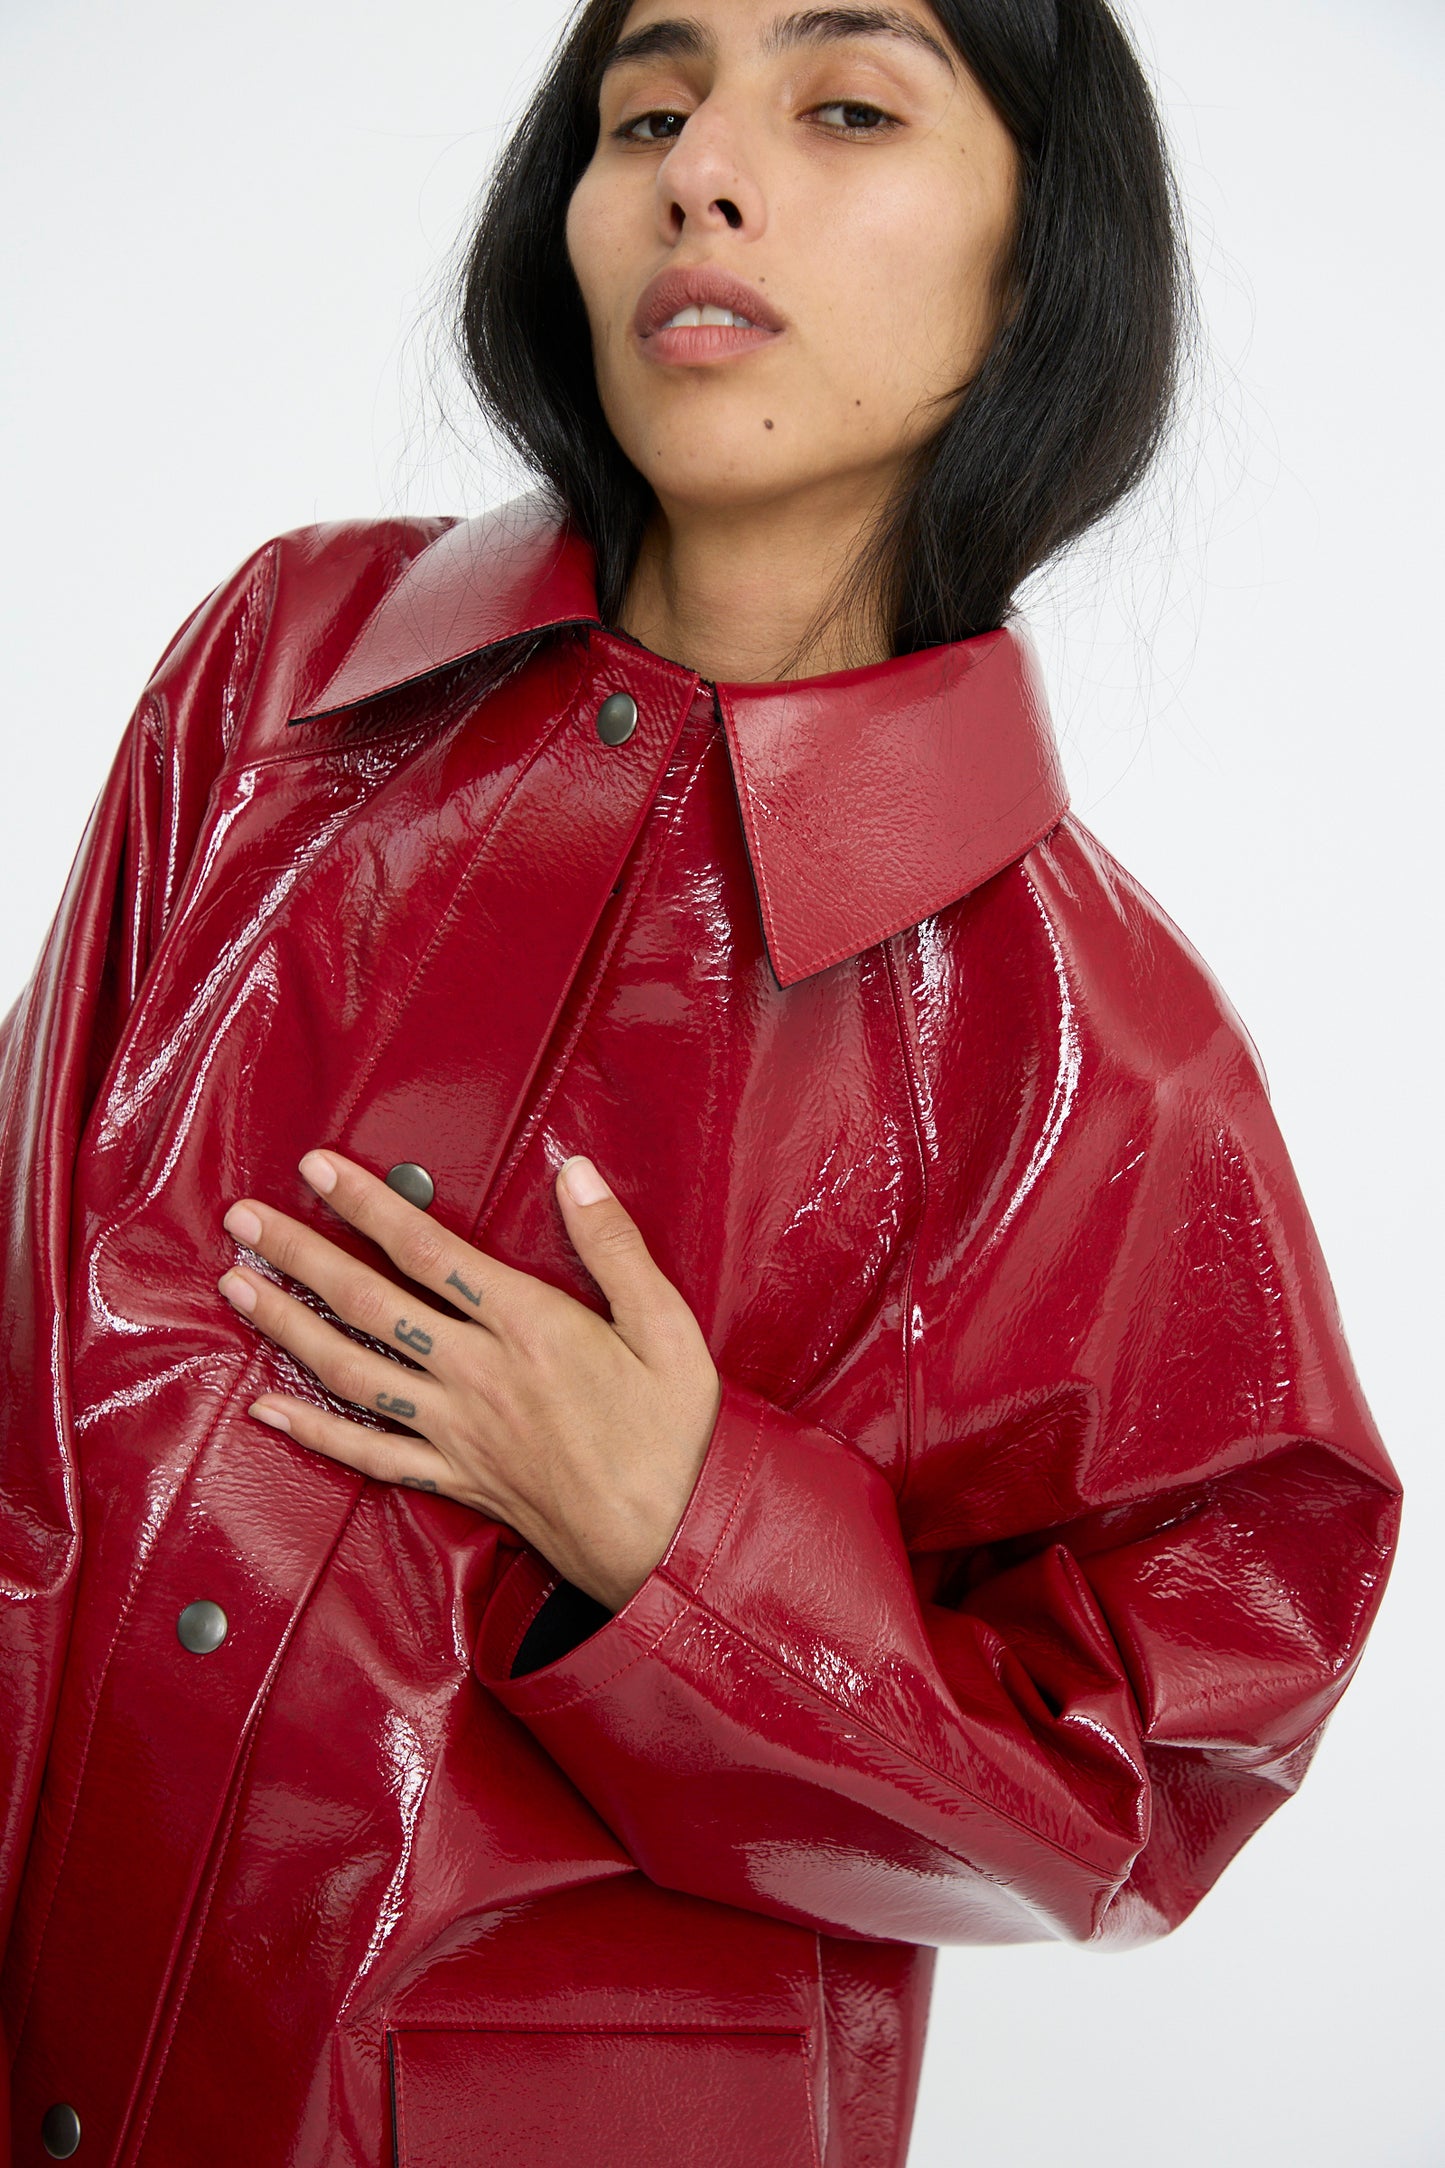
(1042, 1524)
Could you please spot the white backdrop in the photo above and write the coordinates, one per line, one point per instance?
(222, 239)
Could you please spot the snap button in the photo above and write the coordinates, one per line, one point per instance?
(616, 718)
(201, 1628)
(412, 1182)
(60, 2131)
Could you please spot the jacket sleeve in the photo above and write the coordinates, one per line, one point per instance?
(1048, 1684)
(55, 1044)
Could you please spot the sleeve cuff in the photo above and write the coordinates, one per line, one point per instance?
(662, 1602)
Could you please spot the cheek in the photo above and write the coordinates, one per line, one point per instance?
(608, 259)
(583, 240)
(908, 305)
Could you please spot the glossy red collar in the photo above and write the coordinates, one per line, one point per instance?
(870, 798)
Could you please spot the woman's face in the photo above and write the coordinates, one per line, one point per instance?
(845, 165)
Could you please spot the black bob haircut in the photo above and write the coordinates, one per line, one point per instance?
(1057, 427)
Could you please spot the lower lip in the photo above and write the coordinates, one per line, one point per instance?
(705, 342)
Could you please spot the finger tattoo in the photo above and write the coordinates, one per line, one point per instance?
(417, 1482)
(454, 1279)
(389, 1405)
(413, 1336)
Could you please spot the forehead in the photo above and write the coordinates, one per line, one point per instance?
(653, 29)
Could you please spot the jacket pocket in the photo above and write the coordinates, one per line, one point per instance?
(601, 2097)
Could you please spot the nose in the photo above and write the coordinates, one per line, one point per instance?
(706, 181)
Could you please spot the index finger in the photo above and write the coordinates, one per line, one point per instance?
(481, 1287)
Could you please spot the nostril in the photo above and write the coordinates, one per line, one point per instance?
(730, 211)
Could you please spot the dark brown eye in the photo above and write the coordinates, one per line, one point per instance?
(626, 134)
(852, 125)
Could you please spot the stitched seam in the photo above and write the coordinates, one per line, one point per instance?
(733, 1513)
(864, 1724)
(578, 1694)
(158, 2040)
(803, 2035)
(178, 1975)
(820, 2033)
(387, 1030)
(914, 1089)
(750, 825)
(645, 879)
(596, 1686)
(812, 2052)
(795, 1399)
(249, 1368)
(399, 2082)
(598, 2029)
(542, 1037)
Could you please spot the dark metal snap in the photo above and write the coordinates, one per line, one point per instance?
(616, 718)
(60, 2130)
(412, 1182)
(201, 1628)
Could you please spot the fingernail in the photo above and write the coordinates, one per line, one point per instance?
(237, 1291)
(319, 1172)
(584, 1184)
(273, 1416)
(243, 1224)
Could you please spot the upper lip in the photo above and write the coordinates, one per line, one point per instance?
(698, 286)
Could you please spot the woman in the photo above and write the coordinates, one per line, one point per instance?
(659, 1348)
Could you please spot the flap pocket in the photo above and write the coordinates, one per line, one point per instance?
(601, 2098)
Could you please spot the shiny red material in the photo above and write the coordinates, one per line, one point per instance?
(1041, 1528)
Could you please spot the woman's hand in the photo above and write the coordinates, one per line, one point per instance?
(584, 1435)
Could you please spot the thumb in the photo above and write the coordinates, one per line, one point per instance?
(609, 1242)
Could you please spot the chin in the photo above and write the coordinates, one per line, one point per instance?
(713, 460)
(734, 488)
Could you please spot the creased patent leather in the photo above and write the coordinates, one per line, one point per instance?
(1043, 1522)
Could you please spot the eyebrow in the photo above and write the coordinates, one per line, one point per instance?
(684, 38)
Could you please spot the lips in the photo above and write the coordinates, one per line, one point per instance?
(700, 286)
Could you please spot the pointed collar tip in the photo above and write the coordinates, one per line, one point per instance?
(874, 798)
(517, 569)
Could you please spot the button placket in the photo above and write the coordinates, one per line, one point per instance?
(468, 1062)
(199, 1726)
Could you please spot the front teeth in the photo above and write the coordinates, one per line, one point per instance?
(691, 319)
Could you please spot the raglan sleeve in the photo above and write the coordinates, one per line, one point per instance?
(55, 1044)
(1049, 1683)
